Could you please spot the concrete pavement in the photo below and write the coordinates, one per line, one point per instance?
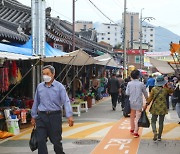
(93, 126)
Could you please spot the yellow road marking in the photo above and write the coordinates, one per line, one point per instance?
(77, 125)
(86, 132)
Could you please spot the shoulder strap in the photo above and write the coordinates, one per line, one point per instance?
(157, 95)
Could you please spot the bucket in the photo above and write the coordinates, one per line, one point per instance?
(13, 126)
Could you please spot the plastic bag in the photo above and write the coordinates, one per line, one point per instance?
(33, 143)
(143, 121)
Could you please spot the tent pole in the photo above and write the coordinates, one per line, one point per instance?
(175, 63)
(68, 71)
(19, 81)
(78, 73)
(64, 68)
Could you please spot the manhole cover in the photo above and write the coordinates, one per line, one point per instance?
(86, 142)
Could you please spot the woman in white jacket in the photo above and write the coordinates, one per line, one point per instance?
(135, 89)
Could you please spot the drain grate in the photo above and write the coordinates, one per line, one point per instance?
(86, 142)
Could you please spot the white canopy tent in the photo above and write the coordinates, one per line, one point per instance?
(161, 66)
(15, 56)
(78, 58)
(106, 60)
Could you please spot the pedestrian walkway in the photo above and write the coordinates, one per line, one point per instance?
(119, 140)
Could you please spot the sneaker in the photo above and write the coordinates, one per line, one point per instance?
(159, 139)
(136, 135)
(155, 138)
(132, 131)
(178, 122)
(114, 109)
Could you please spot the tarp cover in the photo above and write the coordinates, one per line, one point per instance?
(161, 66)
(78, 58)
(14, 53)
(49, 51)
(15, 56)
(106, 60)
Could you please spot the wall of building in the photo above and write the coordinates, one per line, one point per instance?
(149, 37)
(109, 33)
(83, 25)
(132, 26)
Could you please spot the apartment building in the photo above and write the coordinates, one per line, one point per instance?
(109, 33)
(149, 36)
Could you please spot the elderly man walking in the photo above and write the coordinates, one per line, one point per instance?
(46, 111)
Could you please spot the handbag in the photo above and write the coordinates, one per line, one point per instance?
(33, 143)
(143, 121)
(155, 98)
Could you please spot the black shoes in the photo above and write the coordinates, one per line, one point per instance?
(114, 108)
(155, 138)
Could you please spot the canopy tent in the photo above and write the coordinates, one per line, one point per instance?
(15, 56)
(49, 51)
(175, 48)
(162, 66)
(106, 60)
(78, 58)
(15, 53)
(175, 52)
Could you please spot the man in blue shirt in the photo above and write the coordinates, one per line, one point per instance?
(46, 111)
(150, 83)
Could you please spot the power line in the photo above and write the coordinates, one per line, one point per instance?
(101, 12)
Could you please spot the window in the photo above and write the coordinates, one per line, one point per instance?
(151, 29)
(108, 38)
(137, 59)
(108, 32)
(151, 40)
(115, 28)
(115, 34)
(102, 38)
(151, 34)
(115, 40)
(108, 27)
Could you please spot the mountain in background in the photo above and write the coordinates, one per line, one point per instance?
(163, 37)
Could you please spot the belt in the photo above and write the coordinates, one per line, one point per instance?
(50, 112)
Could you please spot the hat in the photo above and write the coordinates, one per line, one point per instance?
(160, 81)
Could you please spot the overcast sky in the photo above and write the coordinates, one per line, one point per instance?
(166, 12)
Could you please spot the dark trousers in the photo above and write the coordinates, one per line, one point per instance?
(114, 99)
(150, 88)
(161, 124)
(49, 125)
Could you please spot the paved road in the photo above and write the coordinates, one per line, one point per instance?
(93, 126)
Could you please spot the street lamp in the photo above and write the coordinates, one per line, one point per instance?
(141, 35)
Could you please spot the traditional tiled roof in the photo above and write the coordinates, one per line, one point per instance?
(15, 19)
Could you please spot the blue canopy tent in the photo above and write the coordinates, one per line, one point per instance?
(49, 51)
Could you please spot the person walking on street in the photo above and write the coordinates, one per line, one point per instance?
(113, 90)
(159, 107)
(150, 83)
(134, 90)
(177, 96)
(46, 112)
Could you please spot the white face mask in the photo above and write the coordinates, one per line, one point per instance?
(46, 78)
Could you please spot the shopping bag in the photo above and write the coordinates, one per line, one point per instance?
(143, 121)
(33, 143)
(127, 108)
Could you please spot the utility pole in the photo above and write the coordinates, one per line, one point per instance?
(125, 43)
(73, 33)
(38, 27)
(141, 39)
